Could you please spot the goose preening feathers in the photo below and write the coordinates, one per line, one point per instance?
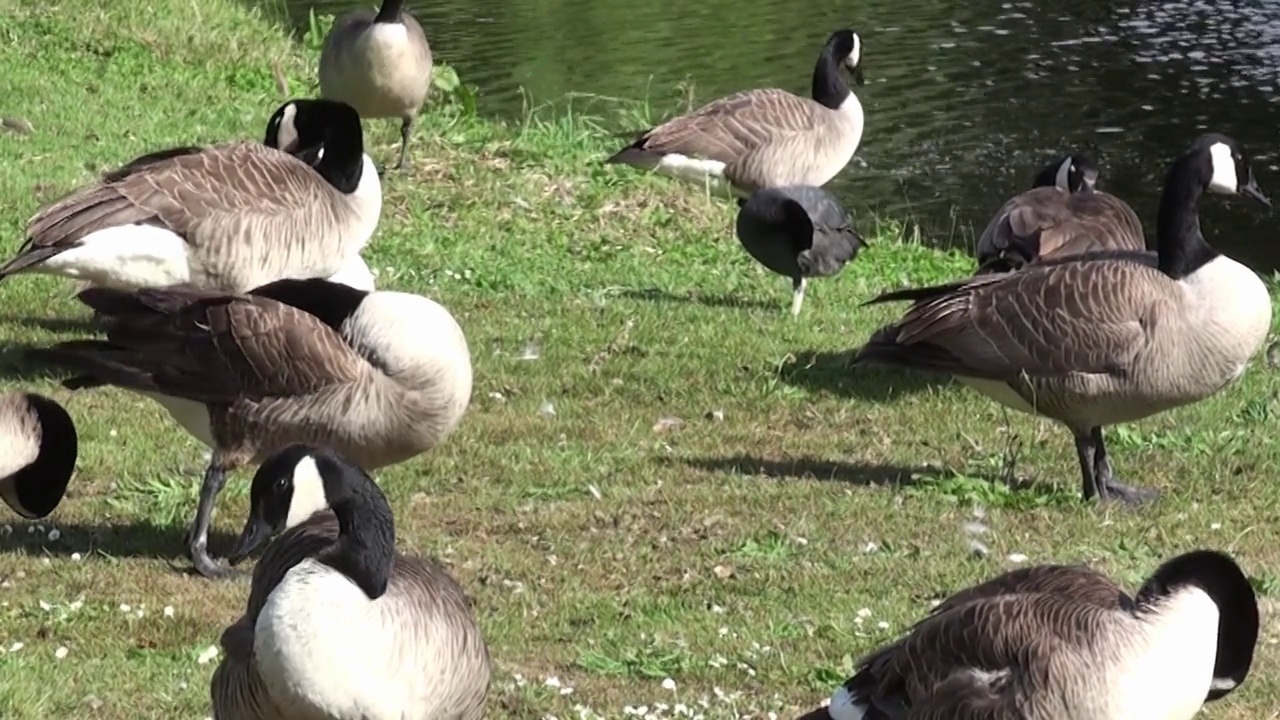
(229, 217)
(38, 448)
(1057, 642)
(1101, 338)
(766, 137)
(380, 376)
(798, 232)
(380, 64)
(338, 625)
(1063, 214)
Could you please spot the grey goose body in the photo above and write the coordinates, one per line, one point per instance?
(380, 64)
(38, 450)
(799, 232)
(1063, 214)
(338, 625)
(228, 217)
(1061, 642)
(1101, 338)
(766, 137)
(380, 376)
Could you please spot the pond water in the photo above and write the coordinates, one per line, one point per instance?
(965, 101)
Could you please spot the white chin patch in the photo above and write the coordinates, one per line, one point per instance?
(1063, 180)
(1224, 170)
(308, 492)
(855, 55)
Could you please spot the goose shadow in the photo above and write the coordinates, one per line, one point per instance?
(658, 295)
(77, 325)
(138, 539)
(833, 372)
(17, 365)
(822, 469)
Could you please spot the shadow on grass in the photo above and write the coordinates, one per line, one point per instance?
(85, 325)
(138, 539)
(808, 467)
(15, 365)
(833, 372)
(659, 295)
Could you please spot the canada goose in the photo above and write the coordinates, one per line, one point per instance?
(380, 376)
(338, 625)
(798, 231)
(379, 64)
(1102, 338)
(1063, 214)
(229, 217)
(1024, 651)
(766, 137)
(38, 446)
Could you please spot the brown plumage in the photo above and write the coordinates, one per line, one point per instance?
(763, 138)
(229, 217)
(381, 376)
(38, 448)
(1064, 214)
(1057, 642)
(380, 64)
(337, 625)
(1103, 338)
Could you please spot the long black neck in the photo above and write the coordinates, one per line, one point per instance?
(365, 547)
(829, 85)
(331, 302)
(342, 163)
(389, 12)
(1180, 245)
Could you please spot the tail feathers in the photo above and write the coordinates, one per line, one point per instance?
(96, 363)
(634, 155)
(149, 301)
(29, 256)
(884, 349)
(141, 163)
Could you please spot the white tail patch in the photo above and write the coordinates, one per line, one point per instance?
(308, 492)
(699, 171)
(354, 273)
(1224, 178)
(844, 707)
(124, 257)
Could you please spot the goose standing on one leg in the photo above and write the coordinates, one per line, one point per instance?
(38, 448)
(797, 231)
(1056, 647)
(763, 138)
(1063, 214)
(380, 64)
(379, 376)
(338, 625)
(1103, 338)
(229, 217)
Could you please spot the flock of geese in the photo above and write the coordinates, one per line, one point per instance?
(232, 291)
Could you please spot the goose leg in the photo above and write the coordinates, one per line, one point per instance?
(1099, 481)
(797, 294)
(198, 536)
(406, 126)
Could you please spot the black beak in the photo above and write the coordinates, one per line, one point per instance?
(256, 531)
(858, 78)
(1252, 191)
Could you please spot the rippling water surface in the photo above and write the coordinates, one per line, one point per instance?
(964, 100)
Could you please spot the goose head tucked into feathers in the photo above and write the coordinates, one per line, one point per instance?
(38, 446)
(1070, 173)
(326, 134)
(845, 47)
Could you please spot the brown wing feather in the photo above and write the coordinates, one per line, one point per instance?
(209, 348)
(1049, 320)
(1047, 223)
(727, 128)
(179, 192)
(1083, 584)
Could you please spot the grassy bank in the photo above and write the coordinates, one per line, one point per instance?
(662, 475)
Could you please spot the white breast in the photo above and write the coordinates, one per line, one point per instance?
(1168, 667)
(366, 202)
(1230, 308)
(125, 257)
(322, 649)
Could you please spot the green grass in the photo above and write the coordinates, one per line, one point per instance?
(798, 514)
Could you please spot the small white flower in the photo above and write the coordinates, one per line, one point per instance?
(61, 652)
(1215, 526)
(45, 606)
(75, 605)
(168, 611)
(1017, 558)
(75, 557)
(207, 654)
(882, 625)
(668, 684)
(864, 612)
(124, 608)
(16, 647)
(552, 681)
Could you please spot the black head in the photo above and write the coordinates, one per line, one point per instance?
(1220, 164)
(331, 302)
(37, 489)
(325, 134)
(1071, 173)
(845, 47)
(290, 486)
(1225, 583)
